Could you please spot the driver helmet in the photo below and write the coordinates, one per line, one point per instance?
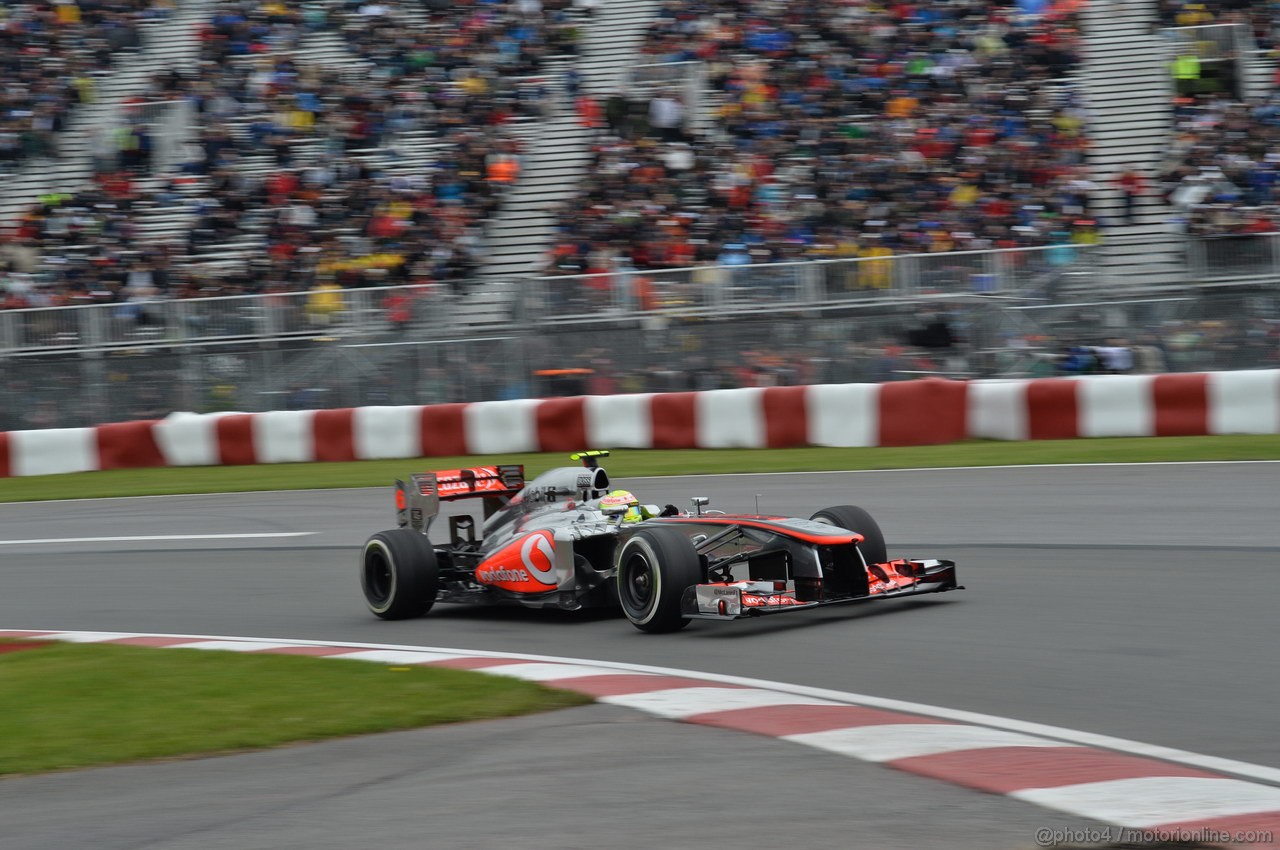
(622, 501)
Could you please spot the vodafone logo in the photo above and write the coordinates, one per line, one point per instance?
(535, 556)
(538, 556)
(502, 575)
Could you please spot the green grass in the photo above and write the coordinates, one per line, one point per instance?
(629, 463)
(74, 705)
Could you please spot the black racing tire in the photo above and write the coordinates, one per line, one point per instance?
(399, 574)
(856, 519)
(655, 567)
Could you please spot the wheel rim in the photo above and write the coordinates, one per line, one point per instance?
(635, 584)
(377, 575)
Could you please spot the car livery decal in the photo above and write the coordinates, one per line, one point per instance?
(800, 529)
(770, 600)
(525, 565)
(477, 481)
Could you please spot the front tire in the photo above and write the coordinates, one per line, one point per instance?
(655, 567)
(398, 574)
(872, 547)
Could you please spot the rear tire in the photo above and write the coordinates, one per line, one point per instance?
(872, 547)
(398, 574)
(655, 567)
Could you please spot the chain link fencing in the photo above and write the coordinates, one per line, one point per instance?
(985, 314)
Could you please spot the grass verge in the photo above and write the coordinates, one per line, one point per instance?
(75, 705)
(630, 463)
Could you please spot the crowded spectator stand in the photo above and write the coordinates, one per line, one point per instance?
(856, 132)
(51, 54)
(298, 174)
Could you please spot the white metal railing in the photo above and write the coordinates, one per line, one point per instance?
(345, 312)
(812, 283)
(689, 77)
(697, 291)
(1211, 42)
(1234, 255)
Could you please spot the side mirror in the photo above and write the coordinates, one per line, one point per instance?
(698, 502)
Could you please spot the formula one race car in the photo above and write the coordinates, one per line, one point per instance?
(564, 540)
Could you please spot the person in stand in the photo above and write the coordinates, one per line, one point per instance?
(1132, 185)
(616, 109)
(572, 85)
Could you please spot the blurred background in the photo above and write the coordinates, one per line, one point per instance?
(210, 206)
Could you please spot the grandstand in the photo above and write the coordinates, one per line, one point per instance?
(361, 185)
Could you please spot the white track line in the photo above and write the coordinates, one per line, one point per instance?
(149, 538)
(816, 696)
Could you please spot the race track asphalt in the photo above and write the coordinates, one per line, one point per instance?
(1134, 601)
(583, 779)
(1138, 602)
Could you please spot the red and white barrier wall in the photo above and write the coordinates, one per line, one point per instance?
(907, 413)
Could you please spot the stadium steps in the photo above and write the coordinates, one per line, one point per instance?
(557, 153)
(329, 50)
(1257, 74)
(1128, 93)
(168, 43)
(405, 153)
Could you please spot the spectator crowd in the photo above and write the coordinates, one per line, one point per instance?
(305, 163)
(850, 131)
(51, 55)
(855, 129)
(1220, 175)
(1223, 173)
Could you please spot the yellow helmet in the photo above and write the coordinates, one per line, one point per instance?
(622, 502)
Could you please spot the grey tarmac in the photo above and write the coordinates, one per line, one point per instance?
(1137, 602)
(580, 779)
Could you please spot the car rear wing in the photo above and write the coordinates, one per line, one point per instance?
(419, 501)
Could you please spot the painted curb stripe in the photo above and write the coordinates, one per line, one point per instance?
(679, 703)
(1001, 770)
(395, 656)
(893, 741)
(163, 642)
(616, 684)
(228, 646)
(470, 663)
(542, 671)
(1120, 788)
(925, 411)
(1148, 801)
(781, 721)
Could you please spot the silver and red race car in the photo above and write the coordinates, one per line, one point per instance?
(565, 540)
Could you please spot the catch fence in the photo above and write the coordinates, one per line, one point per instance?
(874, 319)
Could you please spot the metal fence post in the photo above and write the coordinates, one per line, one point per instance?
(995, 264)
(903, 269)
(715, 286)
(9, 339)
(271, 325)
(621, 284)
(86, 326)
(1195, 259)
(813, 276)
